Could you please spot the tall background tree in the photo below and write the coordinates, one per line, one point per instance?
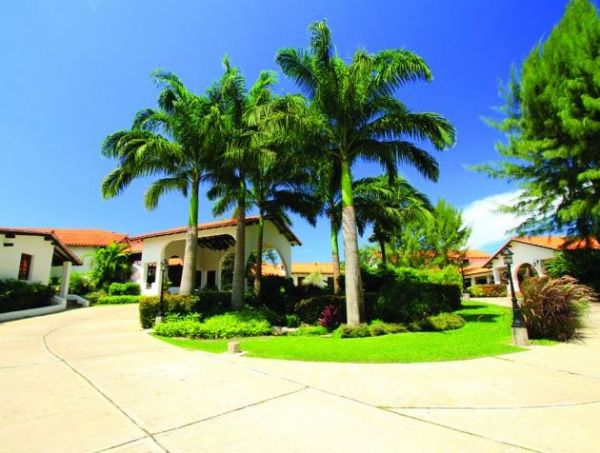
(175, 143)
(552, 123)
(363, 120)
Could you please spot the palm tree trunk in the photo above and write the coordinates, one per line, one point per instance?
(259, 253)
(354, 301)
(335, 256)
(239, 264)
(188, 274)
(382, 246)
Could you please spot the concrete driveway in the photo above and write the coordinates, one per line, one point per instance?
(92, 380)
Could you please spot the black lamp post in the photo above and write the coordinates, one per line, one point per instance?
(164, 265)
(518, 324)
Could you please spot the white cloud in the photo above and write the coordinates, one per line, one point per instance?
(488, 224)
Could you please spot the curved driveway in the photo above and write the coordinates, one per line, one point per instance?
(92, 380)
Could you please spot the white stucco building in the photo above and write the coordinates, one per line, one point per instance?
(28, 255)
(216, 241)
(530, 254)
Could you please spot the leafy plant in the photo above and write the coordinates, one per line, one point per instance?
(331, 317)
(443, 321)
(20, 295)
(124, 289)
(80, 283)
(487, 290)
(116, 300)
(554, 308)
(110, 264)
(350, 331)
(309, 331)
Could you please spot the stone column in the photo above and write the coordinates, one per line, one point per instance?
(66, 279)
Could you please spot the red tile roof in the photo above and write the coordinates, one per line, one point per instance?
(282, 226)
(78, 237)
(549, 242)
(61, 250)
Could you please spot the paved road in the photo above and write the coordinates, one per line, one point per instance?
(92, 380)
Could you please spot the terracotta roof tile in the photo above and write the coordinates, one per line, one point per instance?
(61, 250)
(78, 237)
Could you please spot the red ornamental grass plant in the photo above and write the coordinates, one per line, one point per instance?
(331, 317)
(554, 308)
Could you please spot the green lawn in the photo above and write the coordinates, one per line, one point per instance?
(486, 333)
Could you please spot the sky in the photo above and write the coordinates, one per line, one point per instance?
(75, 71)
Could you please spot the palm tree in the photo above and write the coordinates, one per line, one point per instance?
(251, 127)
(175, 142)
(386, 205)
(110, 264)
(364, 121)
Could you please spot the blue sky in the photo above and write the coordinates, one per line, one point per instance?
(76, 70)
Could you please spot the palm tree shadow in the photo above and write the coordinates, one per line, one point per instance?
(483, 317)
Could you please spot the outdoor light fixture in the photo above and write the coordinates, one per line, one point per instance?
(518, 325)
(164, 265)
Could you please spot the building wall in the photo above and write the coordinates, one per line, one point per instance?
(36, 246)
(86, 255)
(158, 248)
(522, 254)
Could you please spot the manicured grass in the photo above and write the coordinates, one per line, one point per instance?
(486, 333)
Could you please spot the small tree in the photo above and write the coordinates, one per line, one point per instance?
(552, 122)
(110, 264)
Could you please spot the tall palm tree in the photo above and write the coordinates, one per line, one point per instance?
(364, 121)
(175, 143)
(386, 205)
(247, 112)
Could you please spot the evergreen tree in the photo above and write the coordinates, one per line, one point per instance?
(552, 121)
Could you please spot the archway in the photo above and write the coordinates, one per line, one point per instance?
(174, 271)
(272, 265)
(525, 271)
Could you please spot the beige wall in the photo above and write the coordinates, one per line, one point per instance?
(36, 246)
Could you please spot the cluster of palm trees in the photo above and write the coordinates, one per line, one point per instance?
(276, 154)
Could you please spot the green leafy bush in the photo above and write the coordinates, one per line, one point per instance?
(277, 293)
(291, 321)
(378, 327)
(443, 321)
(244, 323)
(94, 296)
(116, 300)
(554, 308)
(80, 283)
(309, 331)
(174, 303)
(581, 264)
(309, 310)
(19, 295)
(488, 290)
(124, 289)
(347, 331)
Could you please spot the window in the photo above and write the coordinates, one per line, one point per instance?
(25, 266)
(151, 274)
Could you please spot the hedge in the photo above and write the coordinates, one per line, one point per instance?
(123, 289)
(117, 300)
(488, 290)
(19, 295)
(207, 303)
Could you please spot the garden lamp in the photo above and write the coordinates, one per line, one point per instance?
(164, 265)
(518, 325)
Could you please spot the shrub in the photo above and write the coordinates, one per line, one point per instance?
(309, 331)
(244, 323)
(378, 327)
(443, 321)
(554, 308)
(80, 284)
(94, 296)
(210, 302)
(174, 303)
(582, 264)
(124, 289)
(116, 300)
(488, 290)
(180, 326)
(346, 331)
(291, 321)
(330, 317)
(406, 301)
(19, 295)
(277, 293)
(309, 310)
